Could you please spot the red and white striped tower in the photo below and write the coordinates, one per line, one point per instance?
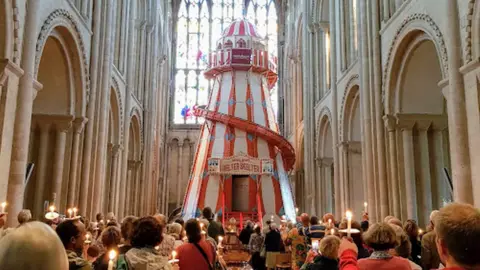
(241, 160)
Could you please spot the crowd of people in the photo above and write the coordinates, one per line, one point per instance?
(150, 242)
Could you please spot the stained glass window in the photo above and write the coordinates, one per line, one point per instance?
(199, 25)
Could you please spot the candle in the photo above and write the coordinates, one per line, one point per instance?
(365, 204)
(420, 231)
(201, 226)
(111, 255)
(332, 231)
(70, 211)
(52, 208)
(87, 239)
(173, 260)
(4, 204)
(349, 222)
(296, 210)
(329, 222)
(220, 240)
(75, 210)
(271, 217)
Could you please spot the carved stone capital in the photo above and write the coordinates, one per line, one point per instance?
(390, 122)
(405, 122)
(63, 123)
(79, 124)
(423, 124)
(325, 162)
(131, 164)
(8, 67)
(115, 148)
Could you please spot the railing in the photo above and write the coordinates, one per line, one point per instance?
(241, 218)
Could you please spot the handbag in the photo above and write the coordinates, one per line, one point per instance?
(204, 255)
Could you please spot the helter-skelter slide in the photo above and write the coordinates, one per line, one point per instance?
(241, 162)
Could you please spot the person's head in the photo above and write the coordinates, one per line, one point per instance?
(147, 232)
(33, 245)
(357, 237)
(458, 236)
(257, 230)
(328, 247)
(380, 237)
(204, 224)
(411, 229)
(162, 219)
(192, 228)
(111, 216)
(328, 216)
(314, 220)
(24, 216)
(273, 226)
(395, 221)
(127, 229)
(175, 230)
(180, 221)
(289, 225)
(404, 246)
(99, 217)
(72, 234)
(111, 237)
(207, 213)
(433, 217)
(249, 224)
(387, 219)
(92, 252)
(305, 219)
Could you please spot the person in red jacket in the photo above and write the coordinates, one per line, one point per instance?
(348, 255)
(458, 237)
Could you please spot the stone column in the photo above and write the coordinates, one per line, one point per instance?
(440, 185)
(23, 116)
(406, 127)
(386, 10)
(425, 180)
(319, 189)
(43, 160)
(113, 178)
(457, 115)
(78, 125)
(343, 150)
(138, 182)
(105, 86)
(179, 172)
(10, 74)
(390, 123)
(62, 126)
(87, 153)
(129, 188)
(329, 191)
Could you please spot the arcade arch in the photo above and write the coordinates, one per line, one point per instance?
(325, 187)
(418, 125)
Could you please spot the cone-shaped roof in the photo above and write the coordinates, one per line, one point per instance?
(241, 27)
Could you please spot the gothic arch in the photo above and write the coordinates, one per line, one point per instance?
(138, 114)
(134, 151)
(115, 114)
(416, 28)
(324, 122)
(60, 24)
(472, 40)
(349, 100)
(118, 96)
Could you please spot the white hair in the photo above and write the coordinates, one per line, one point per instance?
(433, 215)
(273, 226)
(34, 245)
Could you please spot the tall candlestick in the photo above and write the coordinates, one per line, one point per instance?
(349, 223)
(111, 255)
(4, 204)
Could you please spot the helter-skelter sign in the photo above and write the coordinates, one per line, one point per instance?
(241, 161)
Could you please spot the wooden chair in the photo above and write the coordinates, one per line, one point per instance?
(283, 261)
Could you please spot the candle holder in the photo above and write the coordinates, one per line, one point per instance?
(173, 260)
(52, 214)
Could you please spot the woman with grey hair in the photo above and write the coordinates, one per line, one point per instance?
(24, 216)
(175, 230)
(35, 241)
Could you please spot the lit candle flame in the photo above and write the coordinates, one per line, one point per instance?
(52, 208)
(4, 204)
(174, 254)
(75, 210)
(420, 231)
(112, 254)
(332, 231)
(349, 215)
(70, 211)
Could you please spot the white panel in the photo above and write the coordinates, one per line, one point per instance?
(262, 149)
(241, 94)
(218, 143)
(268, 194)
(271, 116)
(225, 92)
(215, 88)
(240, 141)
(258, 116)
(211, 194)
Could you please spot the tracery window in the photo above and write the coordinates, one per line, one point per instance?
(199, 25)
